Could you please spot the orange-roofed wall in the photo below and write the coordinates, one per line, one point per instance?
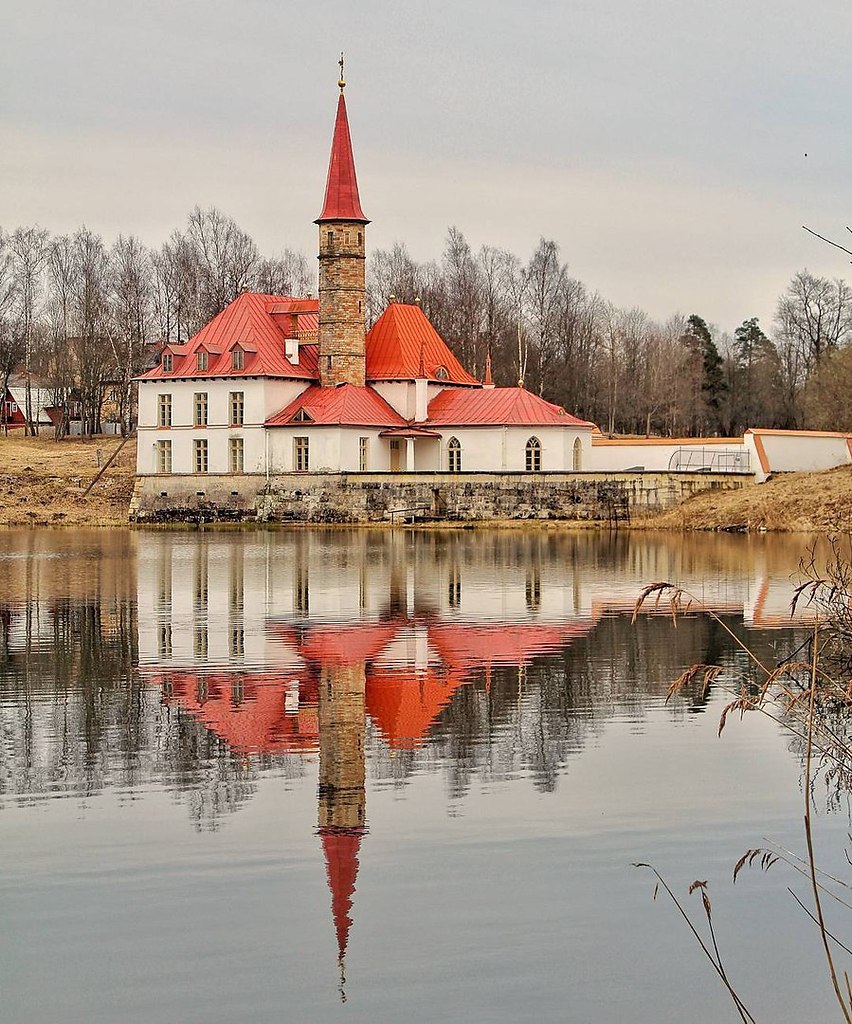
(342, 325)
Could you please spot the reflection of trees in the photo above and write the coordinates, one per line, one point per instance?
(75, 717)
(532, 720)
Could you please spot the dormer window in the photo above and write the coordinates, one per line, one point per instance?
(302, 416)
(168, 362)
(441, 373)
(237, 359)
(201, 360)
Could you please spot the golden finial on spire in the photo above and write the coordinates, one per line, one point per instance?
(341, 81)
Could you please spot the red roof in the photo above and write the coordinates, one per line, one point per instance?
(340, 846)
(495, 407)
(259, 324)
(400, 338)
(468, 646)
(404, 703)
(347, 645)
(341, 187)
(346, 405)
(247, 711)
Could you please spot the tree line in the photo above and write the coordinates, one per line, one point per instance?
(619, 367)
(83, 318)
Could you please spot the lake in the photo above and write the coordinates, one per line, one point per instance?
(371, 775)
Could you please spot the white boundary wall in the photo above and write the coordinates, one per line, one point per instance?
(655, 454)
(795, 451)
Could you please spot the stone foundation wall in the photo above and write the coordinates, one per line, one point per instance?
(394, 497)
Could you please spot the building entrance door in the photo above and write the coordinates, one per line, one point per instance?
(395, 454)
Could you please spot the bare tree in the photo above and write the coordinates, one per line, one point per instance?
(29, 247)
(226, 256)
(130, 319)
(288, 274)
(814, 317)
(11, 341)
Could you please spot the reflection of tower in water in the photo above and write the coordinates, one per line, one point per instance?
(342, 798)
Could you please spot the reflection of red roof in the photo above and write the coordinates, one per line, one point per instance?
(404, 703)
(345, 405)
(341, 188)
(340, 847)
(248, 322)
(246, 711)
(347, 645)
(400, 338)
(497, 406)
(468, 646)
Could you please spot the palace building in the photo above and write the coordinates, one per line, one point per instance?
(281, 385)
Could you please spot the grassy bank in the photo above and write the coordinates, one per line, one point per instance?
(42, 481)
(791, 502)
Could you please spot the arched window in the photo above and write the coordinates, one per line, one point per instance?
(454, 453)
(578, 455)
(533, 455)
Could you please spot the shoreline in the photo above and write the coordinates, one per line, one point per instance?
(43, 484)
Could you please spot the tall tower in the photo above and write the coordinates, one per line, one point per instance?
(342, 330)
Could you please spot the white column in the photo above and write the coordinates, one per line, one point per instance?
(409, 455)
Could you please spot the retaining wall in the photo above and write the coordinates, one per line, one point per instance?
(389, 497)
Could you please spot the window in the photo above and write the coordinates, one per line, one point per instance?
(578, 455)
(360, 238)
(301, 458)
(454, 454)
(164, 415)
(199, 650)
(441, 373)
(201, 360)
(303, 591)
(237, 454)
(11, 409)
(454, 587)
(164, 456)
(363, 453)
(168, 362)
(237, 359)
(237, 404)
(533, 455)
(200, 406)
(200, 456)
(533, 589)
(330, 237)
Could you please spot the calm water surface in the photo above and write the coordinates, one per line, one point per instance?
(377, 776)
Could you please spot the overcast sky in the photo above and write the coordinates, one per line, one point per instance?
(673, 150)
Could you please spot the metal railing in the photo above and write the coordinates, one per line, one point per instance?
(698, 459)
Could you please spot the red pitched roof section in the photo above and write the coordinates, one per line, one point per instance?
(341, 846)
(341, 188)
(260, 325)
(496, 407)
(402, 345)
(346, 405)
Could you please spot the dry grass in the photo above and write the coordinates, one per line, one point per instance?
(790, 502)
(42, 481)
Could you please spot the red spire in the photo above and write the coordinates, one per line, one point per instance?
(341, 187)
(488, 382)
(340, 846)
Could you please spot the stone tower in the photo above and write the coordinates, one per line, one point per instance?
(342, 224)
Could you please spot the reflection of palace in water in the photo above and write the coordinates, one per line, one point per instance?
(201, 659)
